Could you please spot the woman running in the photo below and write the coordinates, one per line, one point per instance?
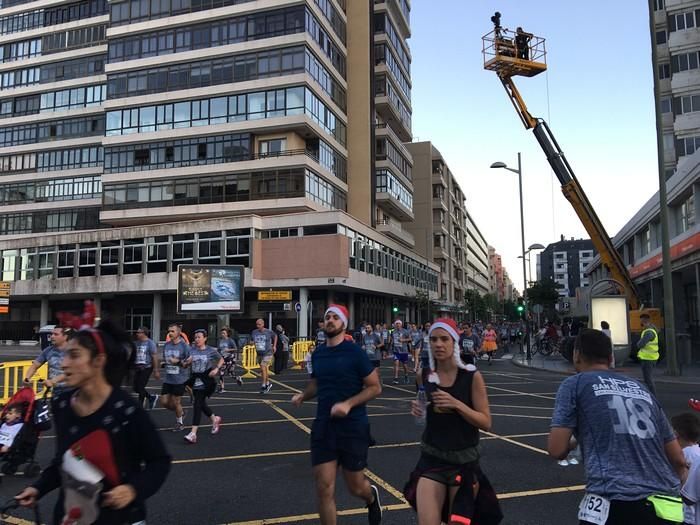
(205, 362)
(109, 457)
(447, 485)
(489, 344)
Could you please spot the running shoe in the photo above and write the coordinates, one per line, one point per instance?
(268, 388)
(395, 381)
(153, 399)
(179, 427)
(374, 509)
(573, 461)
(191, 438)
(405, 380)
(239, 381)
(563, 463)
(262, 389)
(216, 425)
(694, 404)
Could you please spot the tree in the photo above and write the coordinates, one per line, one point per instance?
(543, 292)
(423, 303)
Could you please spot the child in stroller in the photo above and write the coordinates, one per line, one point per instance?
(18, 435)
(229, 369)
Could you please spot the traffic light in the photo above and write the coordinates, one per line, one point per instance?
(395, 309)
(521, 305)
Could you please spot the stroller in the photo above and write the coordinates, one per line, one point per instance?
(229, 369)
(23, 448)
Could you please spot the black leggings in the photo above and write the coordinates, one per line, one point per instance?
(141, 377)
(200, 406)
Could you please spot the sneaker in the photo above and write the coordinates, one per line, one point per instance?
(694, 404)
(239, 381)
(573, 461)
(262, 389)
(374, 509)
(153, 399)
(395, 381)
(405, 380)
(268, 388)
(191, 438)
(179, 427)
(216, 425)
(563, 463)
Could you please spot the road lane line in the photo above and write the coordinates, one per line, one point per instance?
(550, 397)
(517, 443)
(555, 490)
(524, 416)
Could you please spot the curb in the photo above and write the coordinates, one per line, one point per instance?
(686, 381)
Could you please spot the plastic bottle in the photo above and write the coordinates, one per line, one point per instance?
(422, 401)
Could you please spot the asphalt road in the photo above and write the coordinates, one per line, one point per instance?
(257, 470)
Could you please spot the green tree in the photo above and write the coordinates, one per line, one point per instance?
(543, 292)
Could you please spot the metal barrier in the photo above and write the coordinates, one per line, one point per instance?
(249, 361)
(12, 374)
(299, 351)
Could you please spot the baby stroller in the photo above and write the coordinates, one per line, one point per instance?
(229, 369)
(24, 445)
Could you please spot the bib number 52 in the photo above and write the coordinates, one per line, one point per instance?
(594, 509)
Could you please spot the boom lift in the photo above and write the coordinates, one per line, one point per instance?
(517, 53)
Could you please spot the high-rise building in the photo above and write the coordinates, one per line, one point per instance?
(566, 262)
(443, 230)
(139, 135)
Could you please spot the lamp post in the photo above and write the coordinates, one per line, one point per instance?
(536, 246)
(519, 171)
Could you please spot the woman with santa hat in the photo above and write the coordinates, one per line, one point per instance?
(447, 484)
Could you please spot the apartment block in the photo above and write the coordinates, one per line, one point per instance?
(136, 136)
(566, 263)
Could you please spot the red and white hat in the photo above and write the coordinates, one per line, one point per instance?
(450, 327)
(339, 310)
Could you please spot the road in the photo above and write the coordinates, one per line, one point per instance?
(256, 471)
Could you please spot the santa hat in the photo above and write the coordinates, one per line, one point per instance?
(451, 328)
(340, 311)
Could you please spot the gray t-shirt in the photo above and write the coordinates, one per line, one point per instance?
(370, 344)
(145, 350)
(202, 360)
(175, 374)
(262, 339)
(53, 356)
(622, 431)
(396, 344)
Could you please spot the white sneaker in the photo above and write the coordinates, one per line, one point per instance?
(573, 461)
(563, 463)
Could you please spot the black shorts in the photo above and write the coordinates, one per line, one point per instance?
(169, 389)
(347, 444)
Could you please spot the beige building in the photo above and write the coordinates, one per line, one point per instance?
(139, 135)
(444, 230)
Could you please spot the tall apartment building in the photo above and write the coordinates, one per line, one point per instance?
(566, 263)
(444, 231)
(139, 135)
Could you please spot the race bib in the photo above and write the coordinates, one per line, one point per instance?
(172, 369)
(468, 344)
(369, 349)
(260, 346)
(198, 383)
(594, 509)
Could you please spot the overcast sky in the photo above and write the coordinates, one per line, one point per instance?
(597, 97)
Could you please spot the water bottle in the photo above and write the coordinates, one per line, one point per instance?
(423, 405)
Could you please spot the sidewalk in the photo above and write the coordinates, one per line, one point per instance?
(690, 375)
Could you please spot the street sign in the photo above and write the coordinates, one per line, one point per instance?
(4, 289)
(275, 295)
(4, 309)
(538, 309)
(297, 307)
(4, 301)
(268, 306)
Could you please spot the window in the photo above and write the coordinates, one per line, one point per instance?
(664, 71)
(133, 256)
(109, 257)
(668, 139)
(658, 5)
(665, 104)
(687, 214)
(686, 104)
(684, 62)
(660, 37)
(681, 21)
(272, 147)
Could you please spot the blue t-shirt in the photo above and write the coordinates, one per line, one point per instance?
(53, 356)
(622, 431)
(145, 350)
(176, 374)
(396, 344)
(339, 372)
(203, 359)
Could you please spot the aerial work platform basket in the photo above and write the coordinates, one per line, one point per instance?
(511, 53)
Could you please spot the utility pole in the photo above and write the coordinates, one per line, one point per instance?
(672, 368)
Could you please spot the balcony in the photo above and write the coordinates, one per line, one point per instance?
(684, 40)
(686, 122)
(393, 229)
(685, 80)
(395, 207)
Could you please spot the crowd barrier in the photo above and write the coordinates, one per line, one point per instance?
(12, 374)
(299, 351)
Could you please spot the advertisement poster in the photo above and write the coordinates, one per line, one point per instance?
(209, 288)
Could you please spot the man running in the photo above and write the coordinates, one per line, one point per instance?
(344, 380)
(469, 345)
(265, 341)
(320, 335)
(372, 345)
(53, 356)
(416, 344)
(146, 362)
(175, 354)
(400, 342)
(632, 458)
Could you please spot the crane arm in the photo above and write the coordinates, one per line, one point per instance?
(574, 193)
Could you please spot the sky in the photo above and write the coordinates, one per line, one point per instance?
(597, 97)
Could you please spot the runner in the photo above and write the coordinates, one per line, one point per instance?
(372, 345)
(385, 335)
(630, 451)
(469, 344)
(53, 355)
(344, 380)
(145, 363)
(109, 457)
(447, 482)
(489, 345)
(320, 334)
(400, 343)
(423, 356)
(228, 348)
(416, 344)
(205, 362)
(687, 428)
(175, 354)
(265, 342)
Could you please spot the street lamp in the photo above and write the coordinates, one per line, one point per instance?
(519, 171)
(535, 246)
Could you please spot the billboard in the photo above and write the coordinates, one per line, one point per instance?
(209, 288)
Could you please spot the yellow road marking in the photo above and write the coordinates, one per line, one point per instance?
(241, 456)
(15, 521)
(555, 490)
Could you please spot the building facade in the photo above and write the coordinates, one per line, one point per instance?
(444, 231)
(140, 135)
(566, 262)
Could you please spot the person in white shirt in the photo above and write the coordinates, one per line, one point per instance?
(687, 428)
(10, 428)
(605, 328)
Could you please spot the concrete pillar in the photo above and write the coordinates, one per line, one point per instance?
(303, 316)
(156, 317)
(331, 299)
(351, 310)
(98, 305)
(44, 315)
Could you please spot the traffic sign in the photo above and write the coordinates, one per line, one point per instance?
(275, 295)
(297, 307)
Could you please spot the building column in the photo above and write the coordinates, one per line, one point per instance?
(44, 315)
(351, 310)
(97, 300)
(303, 316)
(156, 317)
